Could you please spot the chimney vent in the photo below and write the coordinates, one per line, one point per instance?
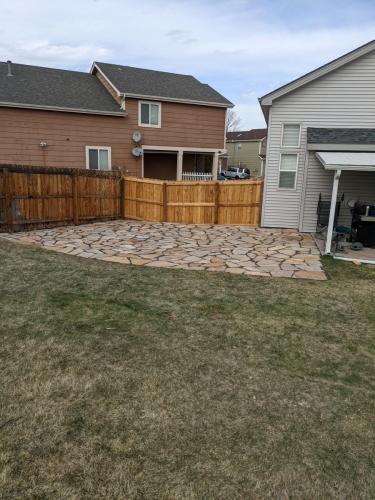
(9, 63)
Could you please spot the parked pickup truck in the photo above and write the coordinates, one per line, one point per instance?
(237, 173)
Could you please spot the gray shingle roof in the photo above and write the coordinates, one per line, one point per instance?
(33, 86)
(254, 134)
(340, 135)
(146, 82)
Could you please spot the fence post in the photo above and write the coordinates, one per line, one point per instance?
(217, 194)
(8, 194)
(122, 197)
(165, 203)
(75, 198)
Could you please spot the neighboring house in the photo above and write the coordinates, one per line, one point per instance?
(58, 118)
(329, 110)
(245, 148)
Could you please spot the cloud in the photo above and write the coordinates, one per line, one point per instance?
(44, 52)
(182, 36)
(243, 48)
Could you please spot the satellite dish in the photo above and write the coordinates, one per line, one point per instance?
(351, 203)
(137, 152)
(137, 136)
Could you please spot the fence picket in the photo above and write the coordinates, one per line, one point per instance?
(43, 196)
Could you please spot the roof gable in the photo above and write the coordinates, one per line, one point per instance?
(268, 99)
(146, 83)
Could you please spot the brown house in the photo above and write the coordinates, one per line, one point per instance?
(142, 122)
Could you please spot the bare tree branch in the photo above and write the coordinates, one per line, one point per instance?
(233, 121)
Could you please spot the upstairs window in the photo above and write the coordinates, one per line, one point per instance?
(149, 114)
(98, 158)
(288, 171)
(291, 135)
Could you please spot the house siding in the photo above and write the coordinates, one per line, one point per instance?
(67, 134)
(342, 98)
(353, 185)
(247, 156)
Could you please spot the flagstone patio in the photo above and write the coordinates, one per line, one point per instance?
(232, 249)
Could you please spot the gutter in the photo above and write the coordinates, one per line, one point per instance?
(173, 99)
(62, 109)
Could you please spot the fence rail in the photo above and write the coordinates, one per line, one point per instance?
(206, 202)
(40, 197)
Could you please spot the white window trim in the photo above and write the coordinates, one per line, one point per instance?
(140, 124)
(107, 148)
(299, 136)
(294, 188)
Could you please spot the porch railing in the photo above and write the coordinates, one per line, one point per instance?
(196, 176)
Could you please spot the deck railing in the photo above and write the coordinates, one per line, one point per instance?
(196, 176)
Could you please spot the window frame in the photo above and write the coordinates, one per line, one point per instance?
(106, 148)
(295, 171)
(140, 124)
(299, 135)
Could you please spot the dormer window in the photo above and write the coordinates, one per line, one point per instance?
(149, 114)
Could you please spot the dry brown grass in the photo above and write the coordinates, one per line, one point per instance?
(131, 382)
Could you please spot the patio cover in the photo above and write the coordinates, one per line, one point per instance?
(347, 161)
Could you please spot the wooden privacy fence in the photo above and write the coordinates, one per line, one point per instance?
(39, 197)
(50, 196)
(205, 202)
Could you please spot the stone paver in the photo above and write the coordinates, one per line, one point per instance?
(241, 250)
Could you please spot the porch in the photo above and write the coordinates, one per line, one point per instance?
(347, 232)
(172, 163)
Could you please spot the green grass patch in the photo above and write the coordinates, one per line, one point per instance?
(131, 382)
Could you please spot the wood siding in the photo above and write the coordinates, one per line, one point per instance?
(343, 98)
(67, 134)
(247, 156)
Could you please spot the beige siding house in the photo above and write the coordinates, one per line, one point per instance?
(331, 109)
(244, 149)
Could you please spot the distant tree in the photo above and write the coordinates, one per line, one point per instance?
(233, 121)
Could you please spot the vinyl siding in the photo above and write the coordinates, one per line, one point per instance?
(353, 185)
(247, 156)
(343, 98)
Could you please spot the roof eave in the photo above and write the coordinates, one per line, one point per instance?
(182, 101)
(267, 99)
(95, 67)
(62, 109)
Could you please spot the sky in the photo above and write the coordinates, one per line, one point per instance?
(242, 48)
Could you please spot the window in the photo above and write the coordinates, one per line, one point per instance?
(288, 171)
(98, 158)
(291, 135)
(239, 146)
(149, 114)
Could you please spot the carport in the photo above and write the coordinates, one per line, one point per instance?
(339, 162)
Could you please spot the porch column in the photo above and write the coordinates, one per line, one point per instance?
(215, 165)
(332, 211)
(180, 157)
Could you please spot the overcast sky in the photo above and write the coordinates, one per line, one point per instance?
(243, 48)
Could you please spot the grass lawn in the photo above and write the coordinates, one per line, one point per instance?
(131, 382)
